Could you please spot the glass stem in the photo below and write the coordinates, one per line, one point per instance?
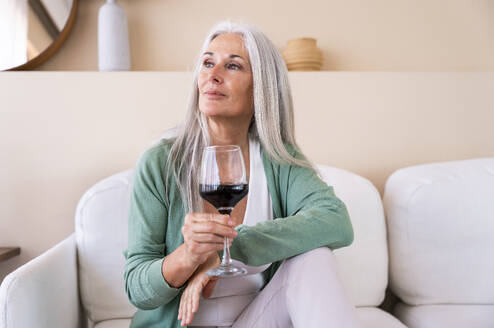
(226, 260)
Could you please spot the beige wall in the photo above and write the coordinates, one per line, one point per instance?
(62, 132)
(355, 35)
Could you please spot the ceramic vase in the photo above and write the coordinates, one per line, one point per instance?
(302, 54)
(113, 38)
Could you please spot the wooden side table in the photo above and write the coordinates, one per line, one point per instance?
(8, 252)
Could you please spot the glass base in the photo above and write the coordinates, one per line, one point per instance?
(226, 271)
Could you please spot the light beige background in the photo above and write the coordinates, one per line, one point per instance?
(354, 35)
(62, 132)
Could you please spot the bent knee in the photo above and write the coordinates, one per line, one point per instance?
(315, 256)
(320, 251)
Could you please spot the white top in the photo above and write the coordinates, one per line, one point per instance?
(231, 295)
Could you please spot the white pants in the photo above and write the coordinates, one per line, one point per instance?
(304, 292)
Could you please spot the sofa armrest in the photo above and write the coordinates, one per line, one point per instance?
(43, 292)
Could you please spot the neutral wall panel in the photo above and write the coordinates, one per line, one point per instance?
(62, 132)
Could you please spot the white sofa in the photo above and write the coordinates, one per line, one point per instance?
(440, 220)
(79, 282)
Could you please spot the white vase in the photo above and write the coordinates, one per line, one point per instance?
(113, 38)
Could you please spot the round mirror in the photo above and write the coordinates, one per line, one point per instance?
(31, 31)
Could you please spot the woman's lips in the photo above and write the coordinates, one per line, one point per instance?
(214, 95)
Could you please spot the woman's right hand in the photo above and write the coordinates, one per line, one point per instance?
(203, 234)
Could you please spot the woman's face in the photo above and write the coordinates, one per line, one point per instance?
(225, 79)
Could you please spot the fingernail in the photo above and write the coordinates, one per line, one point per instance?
(230, 222)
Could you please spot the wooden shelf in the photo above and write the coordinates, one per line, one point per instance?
(8, 252)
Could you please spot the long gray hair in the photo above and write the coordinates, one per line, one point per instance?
(272, 123)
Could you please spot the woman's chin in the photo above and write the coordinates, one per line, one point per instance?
(213, 111)
(222, 112)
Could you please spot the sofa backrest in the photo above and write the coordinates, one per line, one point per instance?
(101, 233)
(363, 266)
(441, 222)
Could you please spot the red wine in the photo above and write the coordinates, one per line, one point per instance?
(224, 196)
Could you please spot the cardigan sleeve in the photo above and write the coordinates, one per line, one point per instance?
(145, 285)
(313, 217)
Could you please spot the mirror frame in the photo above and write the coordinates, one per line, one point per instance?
(54, 46)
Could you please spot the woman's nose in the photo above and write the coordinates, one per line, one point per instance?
(215, 75)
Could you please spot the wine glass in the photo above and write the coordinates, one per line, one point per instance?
(223, 183)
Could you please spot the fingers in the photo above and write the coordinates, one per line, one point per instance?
(217, 224)
(194, 302)
(202, 249)
(212, 227)
(189, 303)
(206, 217)
(183, 311)
(189, 309)
(207, 238)
(204, 233)
(181, 307)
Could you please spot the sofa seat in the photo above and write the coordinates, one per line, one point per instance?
(371, 316)
(451, 316)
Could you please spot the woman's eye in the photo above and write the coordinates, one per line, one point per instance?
(233, 66)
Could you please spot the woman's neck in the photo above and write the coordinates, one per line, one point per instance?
(228, 134)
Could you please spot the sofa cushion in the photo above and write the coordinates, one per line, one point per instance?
(369, 317)
(441, 227)
(363, 266)
(101, 234)
(450, 316)
(372, 317)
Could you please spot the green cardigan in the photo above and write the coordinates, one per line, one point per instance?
(306, 211)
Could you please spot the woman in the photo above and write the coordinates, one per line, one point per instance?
(282, 231)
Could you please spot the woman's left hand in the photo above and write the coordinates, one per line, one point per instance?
(198, 282)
